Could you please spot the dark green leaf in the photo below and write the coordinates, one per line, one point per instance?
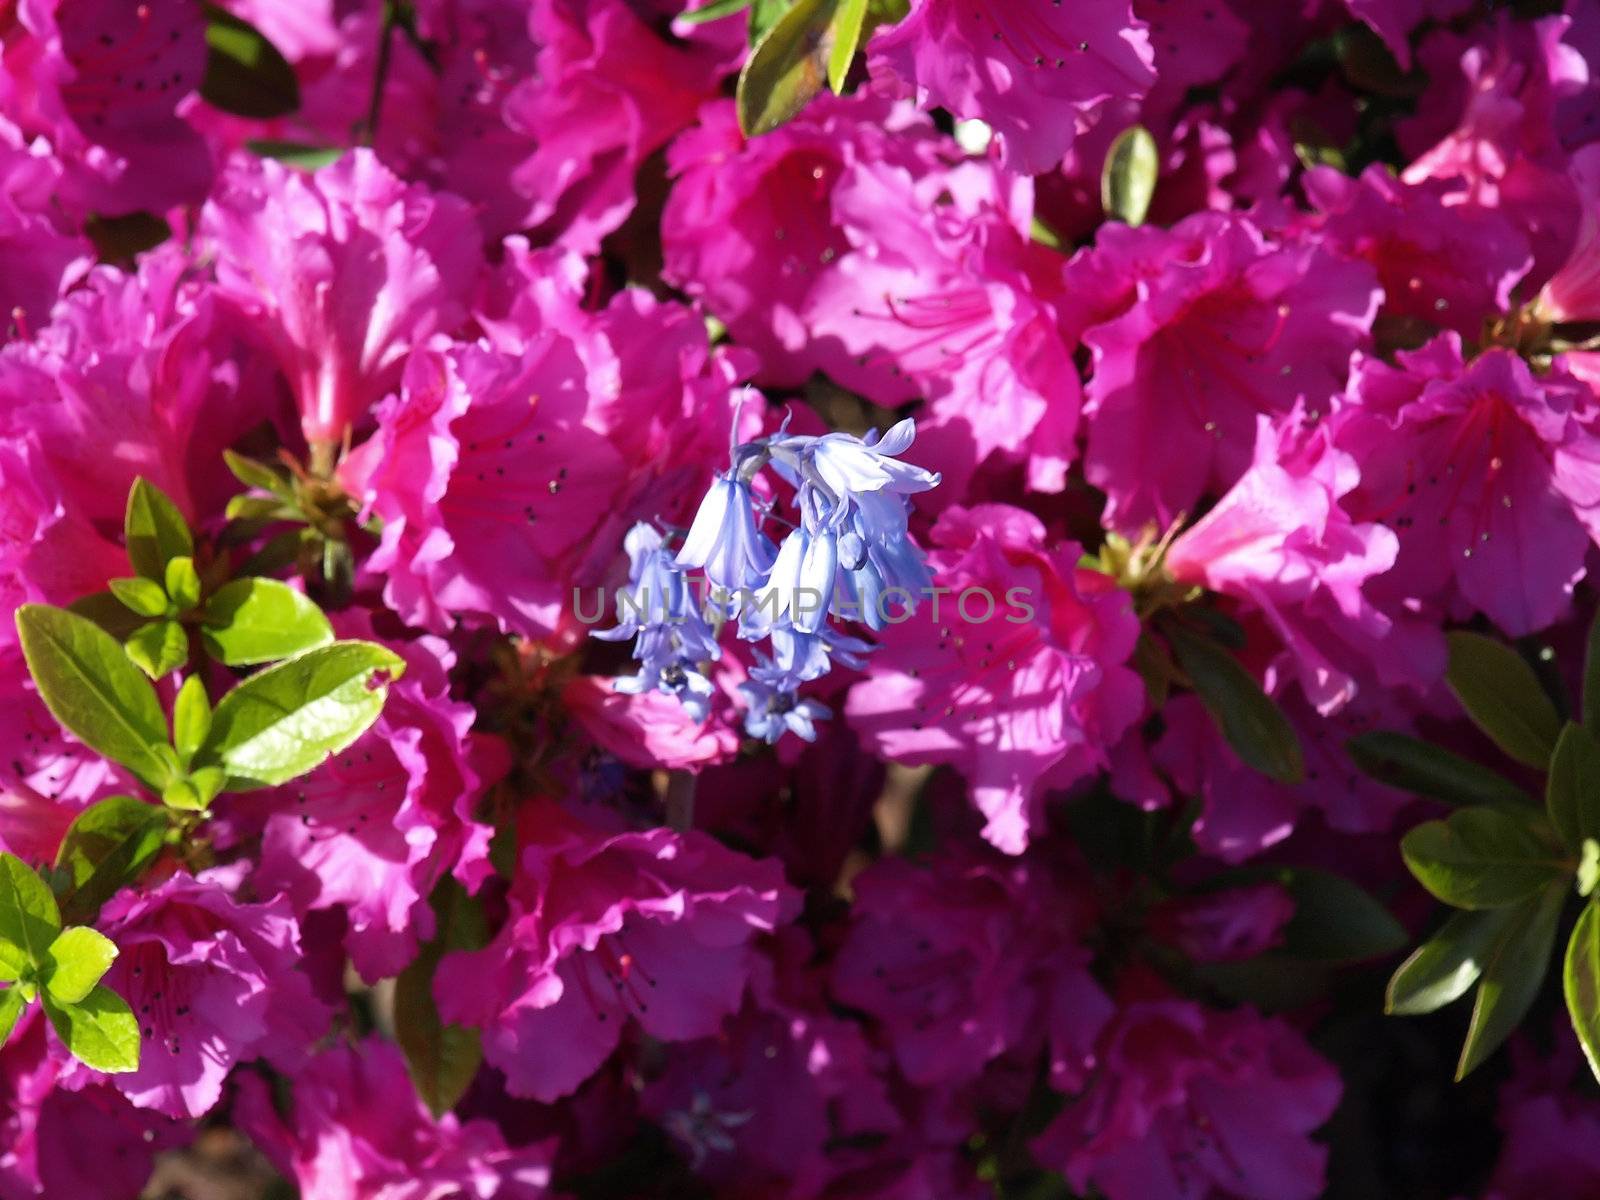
(847, 30)
(1447, 964)
(1591, 680)
(253, 621)
(1512, 976)
(256, 474)
(245, 74)
(1428, 770)
(1502, 696)
(443, 1058)
(258, 510)
(139, 595)
(11, 1006)
(121, 239)
(1482, 857)
(183, 582)
(158, 648)
(1255, 727)
(29, 919)
(106, 848)
(191, 718)
(154, 529)
(300, 155)
(1336, 920)
(1572, 791)
(286, 720)
(1580, 980)
(106, 611)
(75, 962)
(1128, 179)
(787, 68)
(100, 1030)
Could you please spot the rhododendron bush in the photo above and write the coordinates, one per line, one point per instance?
(800, 599)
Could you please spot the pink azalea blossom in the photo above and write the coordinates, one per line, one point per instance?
(1573, 293)
(39, 255)
(1226, 926)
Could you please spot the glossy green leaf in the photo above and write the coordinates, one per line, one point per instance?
(1482, 857)
(287, 719)
(1128, 179)
(154, 529)
(1336, 920)
(158, 648)
(1254, 726)
(1572, 790)
(253, 621)
(183, 796)
(443, 1059)
(106, 848)
(1502, 696)
(847, 30)
(1512, 976)
(106, 611)
(1416, 766)
(12, 1005)
(1588, 866)
(1444, 967)
(787, 68)
(14, 962)
(256, 474)
(139, 595)
(75, 962)
(100, 1030)
(300, 155)
(183, 582)
(245, 73)
(1591, 680)
(191, 717)
(29, 919)
(1580, 980)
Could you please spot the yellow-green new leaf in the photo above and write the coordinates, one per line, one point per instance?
(11, 1005)
(1580, 979)
(107, 847)
(100, 1030)
(252, 621)
(75, 962)
(1128, 180)
(29, 918)
(154, 530)
(847, 29)
(159, 648)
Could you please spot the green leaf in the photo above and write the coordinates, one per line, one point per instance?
(256, 474)
(154, 530)
(1428, 770)
(253, 621)
(1591, 680)
(1580, 979)
(29, 919)
(787, 68)
(1512, 976)
(1128, 179)
(714, 11)
(143, 596)
(207, 783)
(183, 795)
(258, 510)
(1572, 791)
(1502, 696)
(285, 721)
(191, 718)
(245, 73)
(764, 14)
(100, 1030)
(11, 1005)
(76, 961)
(1336, 920)
(301, 155)
(158, 648)
(183, 582)
(1255, 727)
(107, 847)
(847, 29)
(1447, 964)
(443, 1059)
(1482, 857)
(1588, 866)
(106, 611)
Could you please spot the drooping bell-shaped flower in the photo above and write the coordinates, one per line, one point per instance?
(724, 540)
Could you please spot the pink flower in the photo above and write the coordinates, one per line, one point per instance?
(653, 927)
(356, 1130)
(1549, 1127)
(345, 270)
(1018, 680)
(40, 256)
(1488, 476)
(213, 982)
(649, 729)
(103, 80)
(1573, 293)
(1194, 1102)
(1225, 926)
(1031, 72)
(1218, 326)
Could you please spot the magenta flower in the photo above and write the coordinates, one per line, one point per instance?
(40, 255)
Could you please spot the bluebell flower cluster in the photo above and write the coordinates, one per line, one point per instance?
(850, 557)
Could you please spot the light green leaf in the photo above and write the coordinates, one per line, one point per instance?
(100, 1030)
(847, 30)
(301, 155)
(1580, 979)
(1336, 920)
(183, 582)
(787, 68)
(1444, 967)
(183, 795)
(154, 529)
(258, 475)
(1588, 866)
(75, 962)
(253, 621)
(158, 648)
(1428, 770)
(1254, 726)
(143, 596)
(191, 718)
(714, 11)
(286, 720)
(1483, 857)
(12, 1003)
(1512, 976)
(245, 73)
(1572, 791)
(1502, 696)
(1128, 179)
(443, 1059)
(29, 919)
(107, 847)
(90, 686)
